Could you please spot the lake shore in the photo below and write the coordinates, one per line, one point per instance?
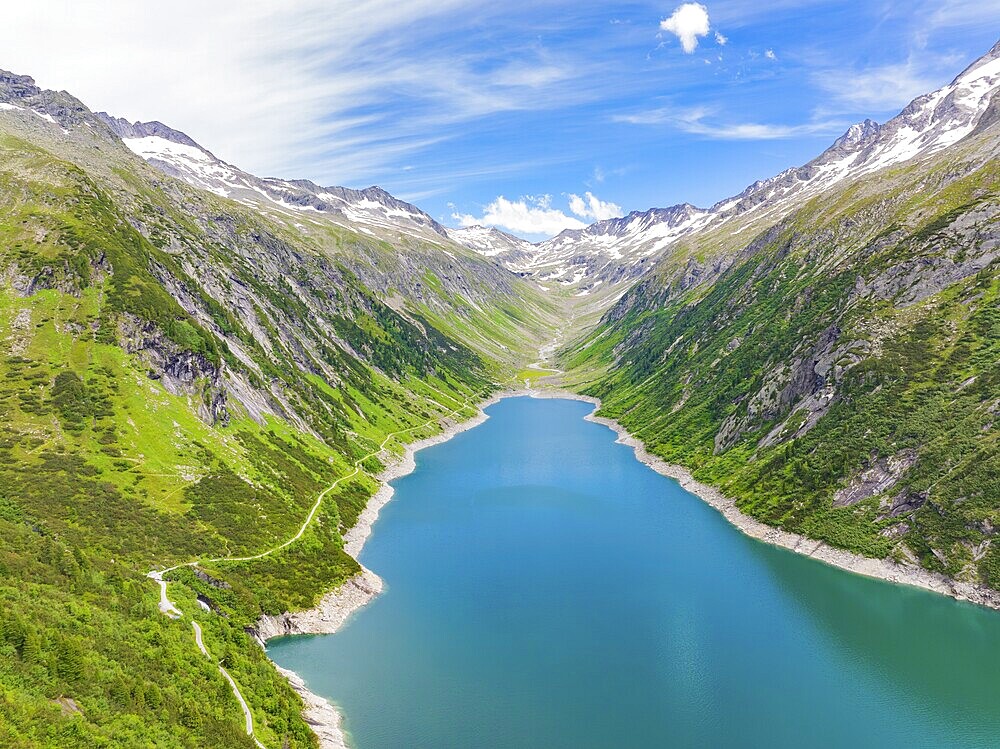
(883, 569)
(335, 608)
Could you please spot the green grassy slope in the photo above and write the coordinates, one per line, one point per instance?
(841, 377)
(180, 378)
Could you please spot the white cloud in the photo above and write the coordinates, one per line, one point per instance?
(720, 39)
(700, 121)
(886, 87)
(529, 214)
(769, 54)
(304, 88)
(600, 174)
(592, 207)
(688, 22)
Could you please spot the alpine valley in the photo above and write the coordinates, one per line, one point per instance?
(205, 374)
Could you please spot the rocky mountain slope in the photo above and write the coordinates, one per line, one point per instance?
(509, 250)
(615, 252)
(372, 211)
(837, 370)
(432, 270)
(192, 355)
(183, 374)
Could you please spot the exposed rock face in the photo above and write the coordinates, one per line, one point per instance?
(908, 501)
(879, 477)
(652, 293)
(327, 616)
(804, 388)
(966, 245)
(13, 86)
(57, 275)
(19, 93)
(208, 579)
(182, 372)
(125, 129)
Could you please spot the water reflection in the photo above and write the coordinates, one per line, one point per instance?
(927, 648)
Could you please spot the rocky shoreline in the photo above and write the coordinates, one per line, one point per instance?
(883, 569)
(336, 606)
(334, 609)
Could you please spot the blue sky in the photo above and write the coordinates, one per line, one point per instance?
(553, 106)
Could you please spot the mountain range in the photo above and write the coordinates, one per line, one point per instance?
(612, 251)
(205, 371)
(621, 249)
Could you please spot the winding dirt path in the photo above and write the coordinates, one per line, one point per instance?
(168, 607)
(248, 716)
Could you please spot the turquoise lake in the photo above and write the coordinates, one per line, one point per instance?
(545, 589)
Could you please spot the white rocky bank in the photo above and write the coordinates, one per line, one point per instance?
(334, 609)
(336, 606)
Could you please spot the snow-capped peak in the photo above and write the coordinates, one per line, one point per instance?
(489, 241)
(856, 133)
(371, 210)
(622, 248)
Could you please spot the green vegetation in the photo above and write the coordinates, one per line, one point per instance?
(180, 379)
(823, 349)
(530, 375)
(87, 660)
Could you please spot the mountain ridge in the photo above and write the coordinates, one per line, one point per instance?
(616, 250)
(187, 372)
(371, 207)
(610, 252)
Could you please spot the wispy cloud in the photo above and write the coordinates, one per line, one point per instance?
(600, 174)
(703, 121)
(888, 86)
(936, 15)
(310, 87)
(884, 87)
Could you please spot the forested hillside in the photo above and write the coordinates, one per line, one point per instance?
(840, 374)
(182, 375)
(204, 371)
